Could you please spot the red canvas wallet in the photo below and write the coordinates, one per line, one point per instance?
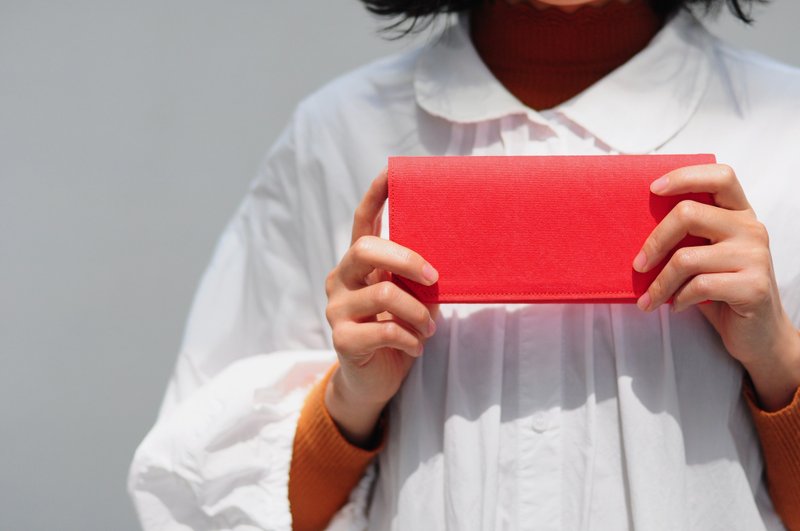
(531, 229)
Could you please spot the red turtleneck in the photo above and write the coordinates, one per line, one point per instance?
(543, 57)
(546, 56)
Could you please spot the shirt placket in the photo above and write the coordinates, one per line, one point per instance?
(539, 424)
(539, 470)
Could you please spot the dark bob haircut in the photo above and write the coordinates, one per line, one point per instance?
(414, 14)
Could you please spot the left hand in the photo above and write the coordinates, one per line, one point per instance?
(734, 272)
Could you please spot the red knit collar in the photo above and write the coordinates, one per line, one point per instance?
(546, 56)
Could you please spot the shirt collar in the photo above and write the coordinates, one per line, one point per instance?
(635, 109)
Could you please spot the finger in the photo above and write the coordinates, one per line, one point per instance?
(358, 339)
(367, 302)
(686, 218)
(686, 263)
(738, 290)
(434, 309)
(717, 179)
(366, 220)
(370, 252)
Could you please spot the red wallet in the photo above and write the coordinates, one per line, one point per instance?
(531, 229)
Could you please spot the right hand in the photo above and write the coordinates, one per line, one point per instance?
(378, 328)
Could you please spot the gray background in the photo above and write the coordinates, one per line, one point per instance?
(128, 133)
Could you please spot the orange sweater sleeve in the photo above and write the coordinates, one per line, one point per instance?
(325, 467)
(779, 432)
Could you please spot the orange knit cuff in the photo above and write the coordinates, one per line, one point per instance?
(779, 432)
(782, 425)
(318, 422)
(325, 466)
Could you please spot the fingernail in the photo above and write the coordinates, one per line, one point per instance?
(644, 301)
(430, 274)
(640, 262)
(431, 327)
(659, 185)
(420, 350)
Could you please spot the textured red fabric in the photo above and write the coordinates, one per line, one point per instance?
(546, 56)
(531, 229)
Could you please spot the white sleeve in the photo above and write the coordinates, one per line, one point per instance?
(263, 290)
(256, 340)
(220, 459)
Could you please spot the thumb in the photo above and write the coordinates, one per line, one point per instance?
(367, 217)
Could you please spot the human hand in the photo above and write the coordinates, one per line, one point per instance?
(734, 273)
(378, 329)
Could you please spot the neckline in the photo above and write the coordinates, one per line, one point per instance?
(546, 56)
(635, 109)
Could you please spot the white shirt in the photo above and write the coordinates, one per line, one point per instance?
(545, 417)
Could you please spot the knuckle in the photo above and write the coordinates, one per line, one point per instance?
(686, 210)
(684, 259)
(759, 232)
(333, 310)
(702, 286)
(362, 247)
(389, 332)
(417, 344)
(330, 313)
(652, 245)
(762, 288)
(423, 316)
(761, 257)
(385, 293)
(339, 338)
(330, 280)
(657, 288)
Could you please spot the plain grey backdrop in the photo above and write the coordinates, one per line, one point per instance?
(128, 134)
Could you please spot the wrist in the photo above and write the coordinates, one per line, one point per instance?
(356, 418)
(776, 376)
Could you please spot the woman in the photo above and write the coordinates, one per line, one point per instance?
(516, 416)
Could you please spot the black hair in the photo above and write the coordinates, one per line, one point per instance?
(412, 15)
